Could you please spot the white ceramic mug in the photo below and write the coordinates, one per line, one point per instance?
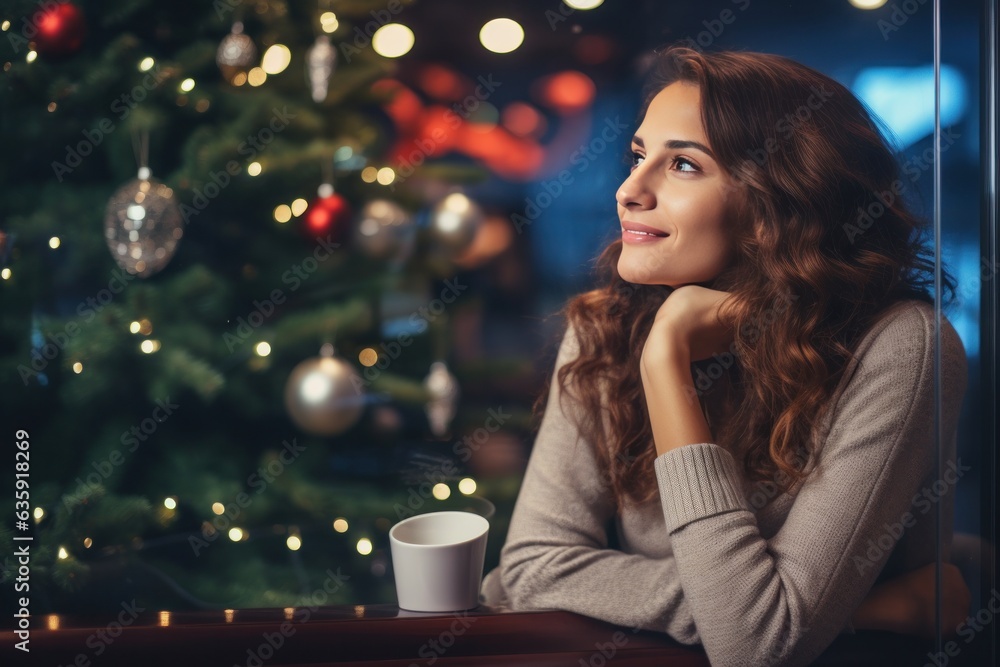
(437, 560)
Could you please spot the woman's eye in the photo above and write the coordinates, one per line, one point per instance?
(634, 159)
(683, 164)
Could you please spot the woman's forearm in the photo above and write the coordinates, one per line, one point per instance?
(674, 410)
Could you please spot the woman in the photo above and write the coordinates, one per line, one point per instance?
(748, 403)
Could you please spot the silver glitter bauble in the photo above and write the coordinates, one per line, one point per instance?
(454, 222)
(321, 60)
(236, 51)
(142, 225)
(443, 388)
(324, 395)
(384, 230)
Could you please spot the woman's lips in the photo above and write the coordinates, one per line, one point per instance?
(635, 233)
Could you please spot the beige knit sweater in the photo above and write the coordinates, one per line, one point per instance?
(771, 586)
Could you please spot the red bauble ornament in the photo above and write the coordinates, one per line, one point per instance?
(328, 216)
(60, 31)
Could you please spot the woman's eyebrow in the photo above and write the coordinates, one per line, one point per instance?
(678, 144)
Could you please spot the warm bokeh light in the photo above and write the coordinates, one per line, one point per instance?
(77, 367)
(392, 40)
(340, 525)
(522, 119)
(5, 273)
(235, 534)
(328, 22)
(294, 542)
(87, 543)
(369, 174)
(364, 546)
(149, 346)
(145, 327)
(239, 78)
(146, 64)
(63, 554)
(583, 4)
(440, 82)
(31, 56)
(299, 207)
(868, 4)
(254, 168)
(54, 242)
(276, 59)
(263, 349)
(385, 176)
(568, 92)
(39, 513)
(218, 508)
(187, 85)
(368, 357)
(441, 491)
(170, 503)
(501, 35)
(282, 213)
(256, 77)
(467, 486)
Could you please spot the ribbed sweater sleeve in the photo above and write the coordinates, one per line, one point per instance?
(556, 554)
(782, 601)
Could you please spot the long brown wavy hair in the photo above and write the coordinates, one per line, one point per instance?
(824, 245)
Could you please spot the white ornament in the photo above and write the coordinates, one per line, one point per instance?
(443, 387)
(321, 59)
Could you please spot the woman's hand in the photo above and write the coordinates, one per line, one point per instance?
(689, 323)
(686, 328)
(905, 604)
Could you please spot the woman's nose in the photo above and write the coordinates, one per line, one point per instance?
(633, 193)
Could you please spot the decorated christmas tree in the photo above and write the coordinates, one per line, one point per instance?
(226, 306)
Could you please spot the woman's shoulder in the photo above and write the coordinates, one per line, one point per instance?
(902, 344)
(910, 325)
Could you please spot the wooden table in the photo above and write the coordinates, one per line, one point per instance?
(382, 635)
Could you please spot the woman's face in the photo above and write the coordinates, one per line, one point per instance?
(677, 191)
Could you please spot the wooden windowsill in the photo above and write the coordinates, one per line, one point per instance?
(379, 634)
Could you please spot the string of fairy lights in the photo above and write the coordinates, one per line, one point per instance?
(293, 541)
